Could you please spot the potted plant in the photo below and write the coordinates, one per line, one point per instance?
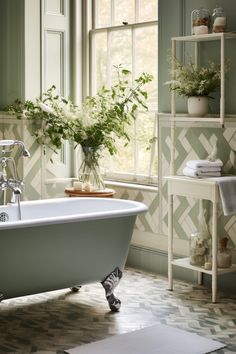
(94, 126)
(195, 83)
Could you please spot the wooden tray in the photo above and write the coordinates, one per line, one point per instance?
(78, 193)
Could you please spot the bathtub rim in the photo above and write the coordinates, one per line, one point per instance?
(137, 208)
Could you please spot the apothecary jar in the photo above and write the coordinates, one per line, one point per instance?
(218, 20)
(200, 21)
(200, 247)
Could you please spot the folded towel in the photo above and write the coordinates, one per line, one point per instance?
(227, 187)
(204, 163)
(207, 169)
(190, 172)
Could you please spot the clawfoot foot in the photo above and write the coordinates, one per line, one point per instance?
(1, 297)
(109, 284)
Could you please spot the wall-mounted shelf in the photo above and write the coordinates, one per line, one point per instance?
(206, 37)
(213, 120)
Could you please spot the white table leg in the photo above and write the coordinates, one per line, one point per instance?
(214, 252)
(170, 241)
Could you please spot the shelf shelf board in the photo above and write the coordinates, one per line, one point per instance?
(184, 263)
(213, 119)
(206, 37)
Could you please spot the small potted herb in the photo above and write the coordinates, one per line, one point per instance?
(196, 83)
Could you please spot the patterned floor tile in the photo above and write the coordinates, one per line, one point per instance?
(52, 322)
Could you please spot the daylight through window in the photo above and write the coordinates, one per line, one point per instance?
(125, 32)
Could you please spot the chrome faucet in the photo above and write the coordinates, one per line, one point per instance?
(24, 151)
(13, 184)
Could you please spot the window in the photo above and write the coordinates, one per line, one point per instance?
(125, 32)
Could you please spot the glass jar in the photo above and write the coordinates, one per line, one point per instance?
(218, 20)
(200, 21)
(199, 249)
(224, 255)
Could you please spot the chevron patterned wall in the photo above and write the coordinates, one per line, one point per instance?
(194, 143)
(148, 222)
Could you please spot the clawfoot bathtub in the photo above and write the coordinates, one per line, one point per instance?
(65, 242)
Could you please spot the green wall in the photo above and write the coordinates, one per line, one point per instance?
(12, 50)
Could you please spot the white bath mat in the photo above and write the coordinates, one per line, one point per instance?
(158, 339)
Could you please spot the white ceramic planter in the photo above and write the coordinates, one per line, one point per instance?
(198, 106)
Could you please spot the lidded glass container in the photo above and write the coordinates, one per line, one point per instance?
(200, 21)
(224, 255)
(218, 20)
(200, 241)
(200, 247)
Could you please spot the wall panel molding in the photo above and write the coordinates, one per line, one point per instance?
(54, 7)
(56, 39)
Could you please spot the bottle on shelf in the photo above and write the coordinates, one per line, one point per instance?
(218, 20)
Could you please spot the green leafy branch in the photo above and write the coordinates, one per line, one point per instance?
(101, 119)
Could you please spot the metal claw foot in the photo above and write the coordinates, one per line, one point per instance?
(109, 284)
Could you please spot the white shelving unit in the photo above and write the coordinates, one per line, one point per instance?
(197, 188)
(196, 39)
(201, 189)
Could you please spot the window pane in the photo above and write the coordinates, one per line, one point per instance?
(103, 15)
(120, 50)
(100, 60)
(146, 59)
(124, 155)
(118, 162)
(146, 131)
(147, 10)
(124, 11)
(135, 48)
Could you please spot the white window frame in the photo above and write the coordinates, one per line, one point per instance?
(117, 176)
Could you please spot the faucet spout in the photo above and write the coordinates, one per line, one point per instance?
(25, 152)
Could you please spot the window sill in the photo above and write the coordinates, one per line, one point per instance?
(108, 183)
(132, 186)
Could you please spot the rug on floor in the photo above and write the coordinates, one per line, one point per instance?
(157, 339)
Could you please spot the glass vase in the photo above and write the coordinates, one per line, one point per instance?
(89, 172)
(200, 241)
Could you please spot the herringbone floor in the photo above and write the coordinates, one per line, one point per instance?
(51, 322)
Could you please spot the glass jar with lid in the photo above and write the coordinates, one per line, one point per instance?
(224, 255)
(218, 20)
(200, 247)
(200, 21)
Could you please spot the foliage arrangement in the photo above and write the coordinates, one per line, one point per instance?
(190, 80)
(101, 119)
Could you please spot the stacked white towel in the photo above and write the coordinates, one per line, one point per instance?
(203, 168)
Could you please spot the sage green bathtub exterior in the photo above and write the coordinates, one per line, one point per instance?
(49, 257)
